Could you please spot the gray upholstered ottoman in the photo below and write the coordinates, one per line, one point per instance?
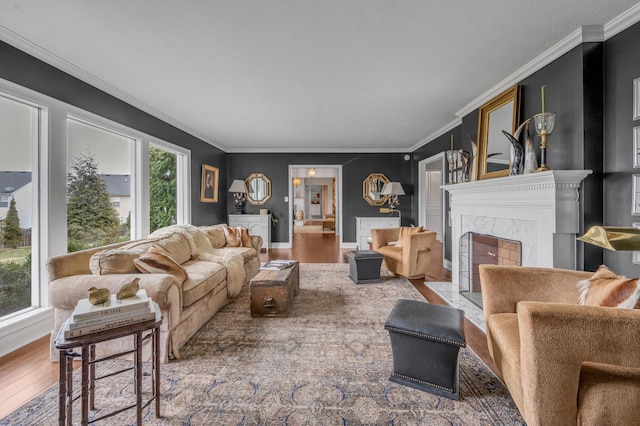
(364, 266)
(425, 340)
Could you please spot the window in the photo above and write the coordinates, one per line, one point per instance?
(99, 171)
(19, 135)
(57, 142)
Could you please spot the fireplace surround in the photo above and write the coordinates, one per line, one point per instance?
(540, 210)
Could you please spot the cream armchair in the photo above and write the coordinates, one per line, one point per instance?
(563, 363)
(410, 256)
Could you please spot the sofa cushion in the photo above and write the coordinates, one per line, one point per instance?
(215, 233)
(606, 288)
(202, 277)
(175, 245)
(113, 261)
(154, 261)
(247, 253)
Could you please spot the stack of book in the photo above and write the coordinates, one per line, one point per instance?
(88, 318)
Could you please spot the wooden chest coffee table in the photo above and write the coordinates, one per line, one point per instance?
(272, 292)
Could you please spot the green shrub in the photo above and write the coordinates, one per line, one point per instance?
(15, 286)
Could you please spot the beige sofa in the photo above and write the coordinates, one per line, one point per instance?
(215, 273)
(564, 363)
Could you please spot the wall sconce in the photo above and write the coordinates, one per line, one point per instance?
(296, 183)
(312, 172)
(239, 188)
(392, 190)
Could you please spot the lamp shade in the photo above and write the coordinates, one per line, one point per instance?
(613, 238)
(393, 188)
(238, 185)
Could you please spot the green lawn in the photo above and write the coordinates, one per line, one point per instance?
(14, 255)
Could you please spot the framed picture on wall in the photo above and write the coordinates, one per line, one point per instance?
(209, 185)
(636, 147)
(636, 98)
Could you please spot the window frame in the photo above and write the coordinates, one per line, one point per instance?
(49, 220)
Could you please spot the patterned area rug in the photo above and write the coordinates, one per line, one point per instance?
(327, 364)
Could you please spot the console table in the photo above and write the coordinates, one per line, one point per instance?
(257, 224)
(364, 225)
(87, 344)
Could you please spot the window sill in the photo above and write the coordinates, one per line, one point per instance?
(23, 329)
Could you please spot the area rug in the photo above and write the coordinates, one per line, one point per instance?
(327, 364)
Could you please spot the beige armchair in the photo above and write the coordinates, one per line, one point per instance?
(411, 255)
(563, 363)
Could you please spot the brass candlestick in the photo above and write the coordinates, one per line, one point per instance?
(544, 123)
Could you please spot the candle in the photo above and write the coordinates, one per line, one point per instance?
(451, 142)
(542, 89)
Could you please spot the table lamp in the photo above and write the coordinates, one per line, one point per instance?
(239, 188)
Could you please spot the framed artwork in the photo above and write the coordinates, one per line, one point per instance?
(636, 98)
(636, 147)
(635, 209)
(209, 185)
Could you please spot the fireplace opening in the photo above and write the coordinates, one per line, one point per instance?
(478, 249)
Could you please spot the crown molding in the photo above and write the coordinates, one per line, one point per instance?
(622, 22)
(444, 129)
(52, 59)
(588, 33)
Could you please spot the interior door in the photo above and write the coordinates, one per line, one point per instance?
(433, 199)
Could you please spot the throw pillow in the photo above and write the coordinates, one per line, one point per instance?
(405, 230)
(232, 237)
(605, 288)
(113, 261)
(245, 239)
(154, 261)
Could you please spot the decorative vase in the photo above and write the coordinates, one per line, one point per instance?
(530, 159)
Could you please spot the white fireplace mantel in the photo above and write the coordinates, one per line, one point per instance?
(538, 209)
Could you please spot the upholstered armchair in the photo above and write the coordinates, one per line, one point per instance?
(408, 255)
(564, 363)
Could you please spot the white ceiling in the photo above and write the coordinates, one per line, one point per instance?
(300, 75)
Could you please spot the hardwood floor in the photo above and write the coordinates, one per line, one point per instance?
(28, 371)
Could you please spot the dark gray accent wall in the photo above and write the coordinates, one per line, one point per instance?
(355, 169)
(27, 71)
(574, 87)
(622, 66)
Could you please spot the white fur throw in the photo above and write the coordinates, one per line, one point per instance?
(202, 249)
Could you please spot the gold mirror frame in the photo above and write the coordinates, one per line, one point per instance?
(259, 187)
(490, 137)
(372, 189)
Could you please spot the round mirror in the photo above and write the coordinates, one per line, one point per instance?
(259, 187)
(372, 189)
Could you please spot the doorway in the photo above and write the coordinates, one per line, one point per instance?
(315, 192)
(431, 199)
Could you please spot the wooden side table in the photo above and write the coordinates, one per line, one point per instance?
(140, 332)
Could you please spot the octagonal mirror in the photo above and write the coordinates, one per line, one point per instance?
(259, 187)
(372, 189)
